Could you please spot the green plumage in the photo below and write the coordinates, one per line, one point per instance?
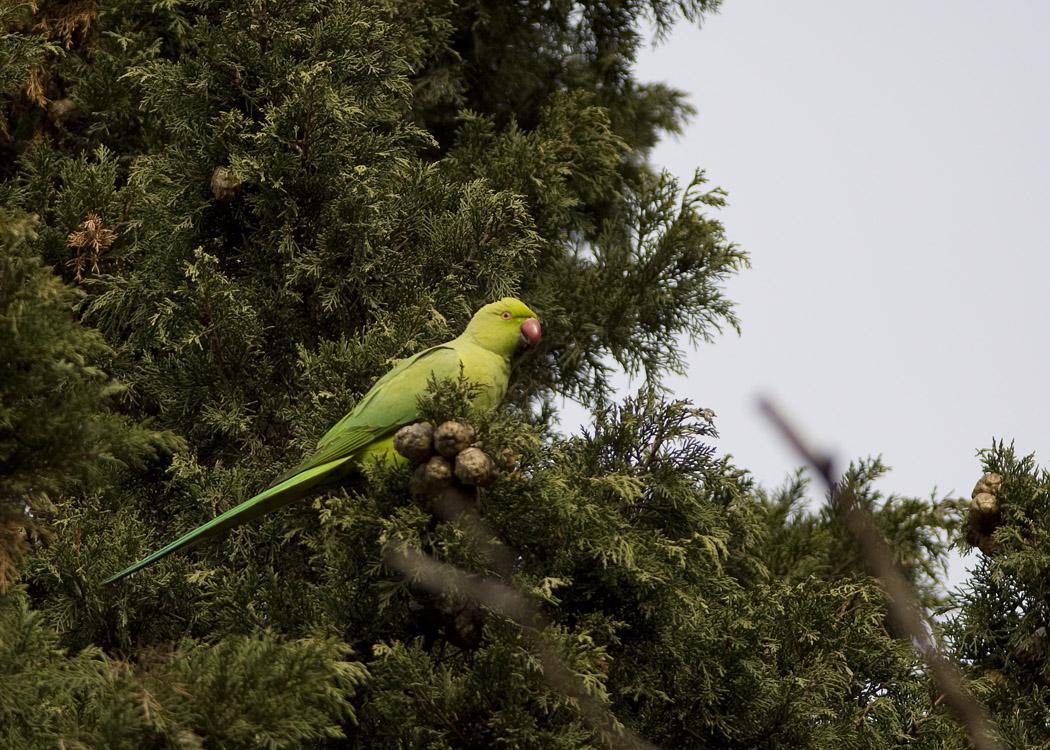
(484, 350)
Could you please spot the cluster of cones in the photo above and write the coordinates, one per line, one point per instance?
(985, 513)
(447, 456)
(450, 465)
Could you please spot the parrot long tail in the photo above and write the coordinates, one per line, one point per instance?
(277, 496)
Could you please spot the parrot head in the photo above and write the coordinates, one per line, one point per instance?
(504, 327)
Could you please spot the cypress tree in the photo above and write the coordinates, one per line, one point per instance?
(221, 224)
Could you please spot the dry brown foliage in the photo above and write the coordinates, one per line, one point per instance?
(90, 241)
(62, 21)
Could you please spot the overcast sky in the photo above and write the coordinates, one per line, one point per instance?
(887, 168)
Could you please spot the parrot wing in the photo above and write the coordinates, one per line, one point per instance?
(390, 404)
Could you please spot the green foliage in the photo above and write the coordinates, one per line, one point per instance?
(23, 51)
(1002, 616)
(58, 434)
(817, 544)
(246, 213)
(244, 692)
(507, 61)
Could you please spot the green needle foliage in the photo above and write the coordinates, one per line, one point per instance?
(220, 223)
(58, 430)
(1002, 616)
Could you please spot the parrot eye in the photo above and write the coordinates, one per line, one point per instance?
(505, 315)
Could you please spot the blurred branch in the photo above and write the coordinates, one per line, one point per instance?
(901, 601)
(506, 601)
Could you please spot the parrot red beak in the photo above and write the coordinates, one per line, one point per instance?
(530, 333)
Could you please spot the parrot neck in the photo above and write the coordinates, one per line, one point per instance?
(494, 344)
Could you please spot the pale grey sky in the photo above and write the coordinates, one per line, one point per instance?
(888, 169)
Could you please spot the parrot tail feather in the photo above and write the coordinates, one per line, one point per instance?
(277, 496)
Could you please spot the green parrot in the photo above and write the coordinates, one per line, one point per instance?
(495, 334)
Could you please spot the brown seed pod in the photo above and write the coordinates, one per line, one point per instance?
(225, 186)
(452, 437)
(984, 504)
(473, 466)
(415, 441)
(417, 483)
(995, 676)
(984, 542)
(986, 513)
(431, 477)
(63, 110)
(438, 471)
(990, 483)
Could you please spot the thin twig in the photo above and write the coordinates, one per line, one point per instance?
(901, 602)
